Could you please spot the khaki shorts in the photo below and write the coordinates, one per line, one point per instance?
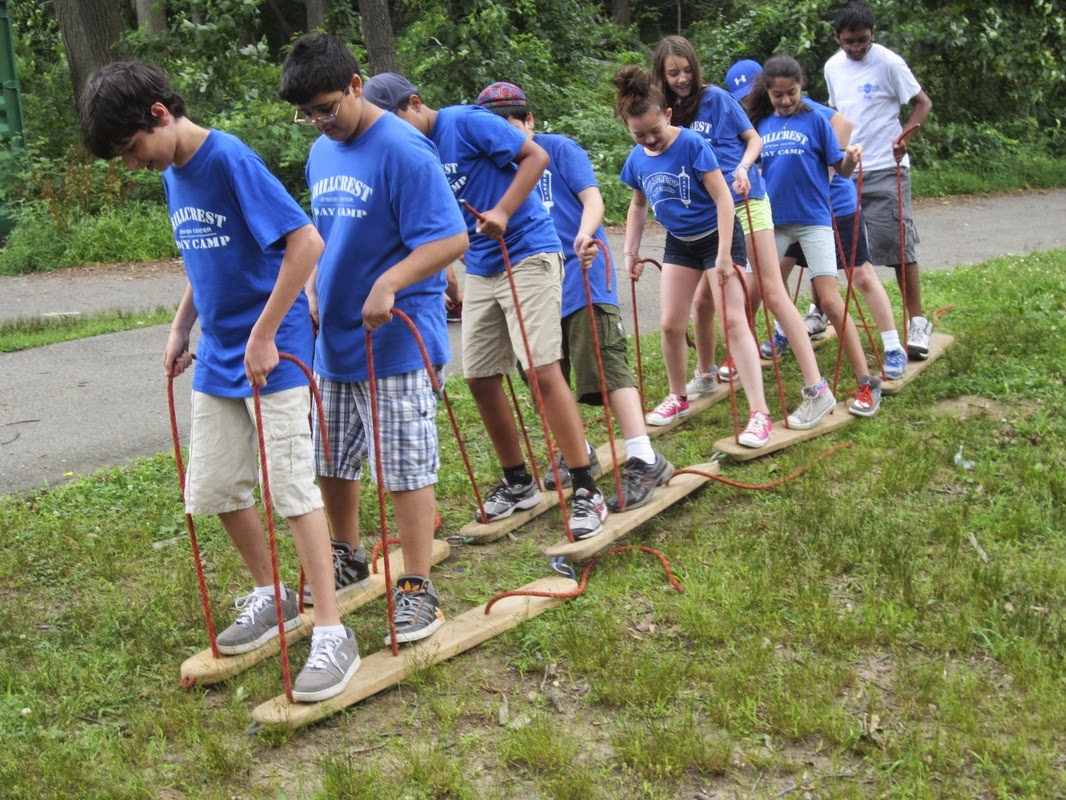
(579, 353)
(492, 339)
(762, 216)
(223, 453)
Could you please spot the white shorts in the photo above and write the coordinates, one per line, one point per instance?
(818, 243)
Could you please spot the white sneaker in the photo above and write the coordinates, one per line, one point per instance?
(816, 323)
(702, 383)
(918, 333)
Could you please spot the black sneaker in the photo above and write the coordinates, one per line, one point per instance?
(505, 499)
(587, 513)
(418, 612)
(564, 471)
(639, 481)
(350, 570)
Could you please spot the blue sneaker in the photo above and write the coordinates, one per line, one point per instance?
(780, 341)
(895, 364)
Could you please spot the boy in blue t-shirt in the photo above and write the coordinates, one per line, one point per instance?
(391, 226)
(248, 248)
(571, 194)
(495, 168)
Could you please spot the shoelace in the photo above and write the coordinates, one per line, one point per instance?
(666, 405)
(758, 424)
(584, 506)
(323, 649)
(406, 606)
(865, 396)
(249, 605)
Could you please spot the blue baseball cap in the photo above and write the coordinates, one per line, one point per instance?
(387, 90)
(741, 77)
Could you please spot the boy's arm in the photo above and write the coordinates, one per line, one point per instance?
(591, 216)
(176, 355)
(532, 160)
(424, 261)
(636, 219)
(920, 105)
(303, 246)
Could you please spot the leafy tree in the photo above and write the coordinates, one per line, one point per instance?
(91, 29)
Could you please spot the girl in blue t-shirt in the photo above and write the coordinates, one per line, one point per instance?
(717, 116)
(799, 147)
(675, 172)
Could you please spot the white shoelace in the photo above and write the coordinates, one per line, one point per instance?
(250, 605)
(323, 652)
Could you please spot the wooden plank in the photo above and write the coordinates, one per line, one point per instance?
(938, 343)
(620, 524)
(830, 336)
(382, 670)
(482, 533)
(783, 437)
(204, 668)
(701, 403)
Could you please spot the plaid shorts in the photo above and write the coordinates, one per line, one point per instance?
(407, 413)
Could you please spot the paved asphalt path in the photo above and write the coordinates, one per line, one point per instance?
(75, 407)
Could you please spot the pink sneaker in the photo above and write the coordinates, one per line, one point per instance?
(673, 407)
(758, 431)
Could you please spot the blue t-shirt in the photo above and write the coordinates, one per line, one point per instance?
(230, 216)
(721, 121)
(797, 151)
(673, 183)
(374, 200)
(569, 173)
(477, 149)
(842, 194)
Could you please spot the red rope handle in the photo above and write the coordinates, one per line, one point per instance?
(204, 599)
(585, 578)
(906, 134)
(525, 434)
(771, 484)
(636, 333)
(599, 366)
(533, 379)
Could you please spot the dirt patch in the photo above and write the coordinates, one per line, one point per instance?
(968, 406)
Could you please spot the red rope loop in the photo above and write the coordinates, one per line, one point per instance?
(534, 380)
(585, 578)
(906, 134)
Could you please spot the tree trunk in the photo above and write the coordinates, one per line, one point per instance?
(90, 28)
(620, 13)
(316, 13)
(377, 36)
(152, 16)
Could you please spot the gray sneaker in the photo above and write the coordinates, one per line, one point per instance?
(867, 398)
(639, 480)
(257, 623)
(702, 383)
(350, 570)
(505, 499)
(329, 668)
(418, 612)
(587, 513)
(564, 471)
(918, 333)
(816, 323)
(817, 402)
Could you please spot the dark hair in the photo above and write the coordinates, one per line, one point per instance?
(678, 47)
(510, 112)
(854, 16)
(636, 93)
(117, 102)
(316, 64)
(757, 103)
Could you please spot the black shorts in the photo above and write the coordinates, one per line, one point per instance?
(701, 254)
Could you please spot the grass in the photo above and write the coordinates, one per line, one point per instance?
(24, 333)
(888, 625)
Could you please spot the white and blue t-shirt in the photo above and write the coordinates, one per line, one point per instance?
(230, 216)
(374, 200)
(569, 173)
(673, 183)
(477, 149)
(721, 121)
(797, 151)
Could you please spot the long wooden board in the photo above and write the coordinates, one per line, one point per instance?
(619, 524)
(830, 336)
(381, 670)
(938, 343)
(483, 533)
(783, 437)
(204, 668)
(701, 403)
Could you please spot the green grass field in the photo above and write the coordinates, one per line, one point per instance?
(887, 625)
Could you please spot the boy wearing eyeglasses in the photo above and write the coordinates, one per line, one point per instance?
(869, 84)
(248, 249)
(391, 226)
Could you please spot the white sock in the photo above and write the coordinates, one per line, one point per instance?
(778, 329)
(269, 590)
(640, 447)
(331, 630)
(890, 339)
(588, 448)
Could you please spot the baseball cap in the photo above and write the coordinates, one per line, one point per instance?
(499, 95)
(741, 77)
(387, 90)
